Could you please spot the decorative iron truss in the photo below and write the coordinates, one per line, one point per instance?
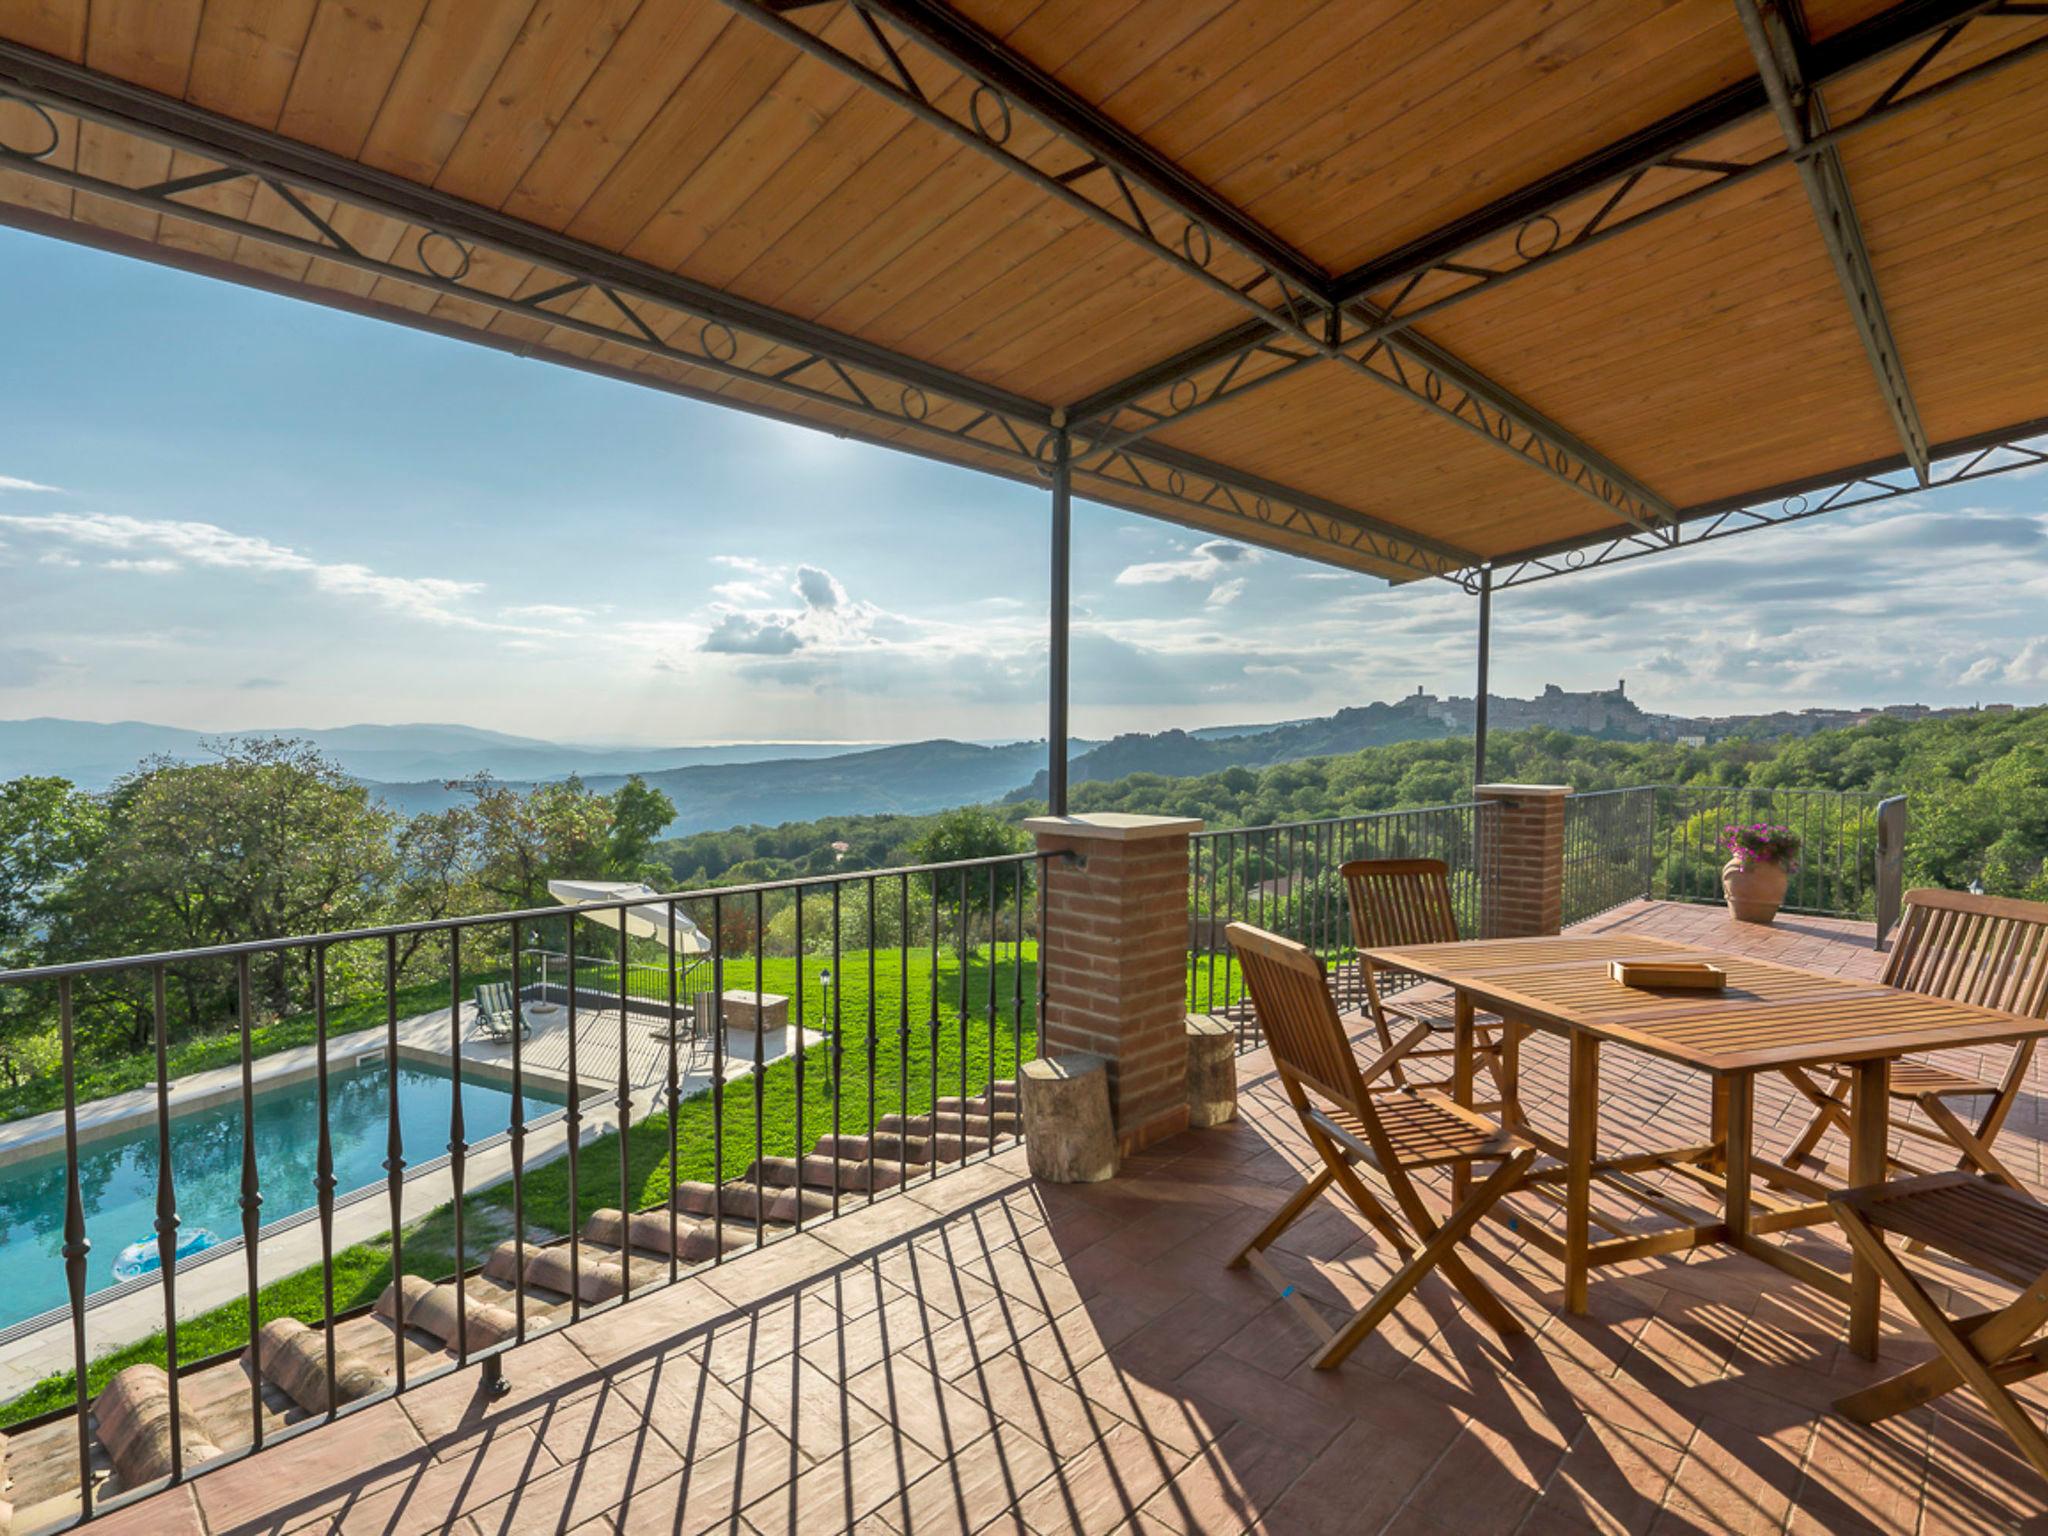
(1955, 464)
(1778, 39)
(1609, 193)
(311, 203)
(1118, 182)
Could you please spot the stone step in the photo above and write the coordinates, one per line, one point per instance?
(951, 1149)
(695, 1241)
(955, 1124)
(887, 1147)
(822, 1171)
(981, 1104)
(738, 1200)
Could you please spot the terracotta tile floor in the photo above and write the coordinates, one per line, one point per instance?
(992, 1354)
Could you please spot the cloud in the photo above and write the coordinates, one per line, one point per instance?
(2030, 665)
(819, 589)
(10, 483)
(258, 684)
(1205, 562)
(24, 666)
(1209, 561)
(737, 634)
(161, 546)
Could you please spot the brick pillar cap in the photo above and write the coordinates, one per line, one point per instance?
(1113, 826)
(1521, 791)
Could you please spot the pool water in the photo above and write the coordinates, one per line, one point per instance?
(118, 1174)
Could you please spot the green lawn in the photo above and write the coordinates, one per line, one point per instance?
(906, 1077)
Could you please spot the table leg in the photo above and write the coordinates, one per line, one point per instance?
(1461, 1086)
(1511, 1073)
(1717, 1122)
(1737, 1095)
(1582, 1138)
(1869, 1142)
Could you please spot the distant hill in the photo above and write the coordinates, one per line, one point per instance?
(1190, 754)
(93, 754)
(917, 777)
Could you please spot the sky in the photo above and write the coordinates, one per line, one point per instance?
(227, 510)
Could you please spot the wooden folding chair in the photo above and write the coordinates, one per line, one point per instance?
(1395, 1132)
(1988, 950)
(1408, 901)
(1988, 1225)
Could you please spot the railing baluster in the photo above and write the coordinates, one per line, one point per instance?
(802, 1049)
(394, 1157)
(573, 1121)
(458, 1141)
(964, 1012)
(718, 1079)
(761, 1078)
(902, 1029)
(167, 1213)
(516, 1141)
(675, 1103)
(76, 1247)
(251, 1200)
(1017, 991)
(932, 1038)
(872, 1116)
(833, 998)
(628, 1196)
(323, 1179)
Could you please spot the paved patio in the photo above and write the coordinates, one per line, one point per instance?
(984, 1352)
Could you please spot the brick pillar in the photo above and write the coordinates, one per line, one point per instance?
(1115, 956)
(1526, 858)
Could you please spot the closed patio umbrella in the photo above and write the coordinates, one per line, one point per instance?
(651, 920)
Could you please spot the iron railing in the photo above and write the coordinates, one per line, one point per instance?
(1284, 878)
(910, 992)
(1663, 842)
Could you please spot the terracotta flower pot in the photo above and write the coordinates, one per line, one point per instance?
(1755, 890)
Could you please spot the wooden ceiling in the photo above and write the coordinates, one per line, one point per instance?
(1404, 285)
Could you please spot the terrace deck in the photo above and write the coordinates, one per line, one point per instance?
(984, 1352)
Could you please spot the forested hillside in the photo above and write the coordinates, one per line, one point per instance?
(1979, 785)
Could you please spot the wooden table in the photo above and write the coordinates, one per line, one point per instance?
(1769, 1018)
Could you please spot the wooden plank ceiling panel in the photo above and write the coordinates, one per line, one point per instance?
(1342, 437)
(1953, 197)
(1413, 154)
(1710, 350)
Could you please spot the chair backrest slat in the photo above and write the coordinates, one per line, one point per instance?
(1400, 901)
(1988, 950)
(1298, 1017)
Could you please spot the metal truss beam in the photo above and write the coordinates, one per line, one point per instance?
(1134, 191)
(1777, 38)
(1200, 484)
(1650, 166)
(660, 326)
(2020, 447)
(274, 159)
(1651, 148)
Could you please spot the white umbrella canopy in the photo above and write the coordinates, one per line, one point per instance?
(652, 920)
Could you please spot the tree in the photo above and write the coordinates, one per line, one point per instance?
(47, 830)
(270, 840)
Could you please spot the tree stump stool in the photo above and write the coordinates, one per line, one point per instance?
(1212, 1071)
(1069, 1137)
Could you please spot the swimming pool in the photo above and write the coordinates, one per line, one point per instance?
(118, 1173)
